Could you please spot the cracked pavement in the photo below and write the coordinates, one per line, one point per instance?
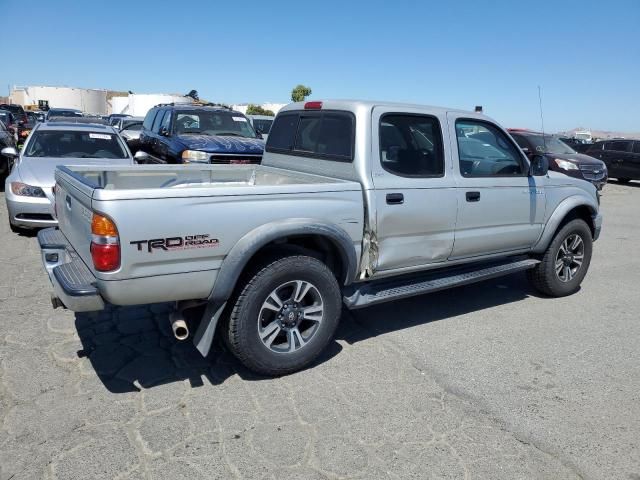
(486, 381)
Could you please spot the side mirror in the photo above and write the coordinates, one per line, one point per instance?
(539, 166)
(9, 152)
(141, 157)
(164, 132)
(259, 134)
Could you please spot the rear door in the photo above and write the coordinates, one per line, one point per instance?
(500, 207)
(415, 190)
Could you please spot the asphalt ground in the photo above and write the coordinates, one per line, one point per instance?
(486, 381)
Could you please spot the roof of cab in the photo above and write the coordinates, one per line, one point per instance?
(354, 104)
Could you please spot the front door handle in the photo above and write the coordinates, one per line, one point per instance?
(395, 199)
(473, 196)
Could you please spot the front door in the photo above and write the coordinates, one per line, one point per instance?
(415, 194)
(501, 208)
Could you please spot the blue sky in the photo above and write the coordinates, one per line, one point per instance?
(584, 54)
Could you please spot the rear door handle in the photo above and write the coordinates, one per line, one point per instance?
(395, 199)
(473, 196)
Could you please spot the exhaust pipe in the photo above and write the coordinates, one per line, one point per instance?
(179, 327)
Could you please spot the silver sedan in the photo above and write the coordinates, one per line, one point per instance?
(29, 187)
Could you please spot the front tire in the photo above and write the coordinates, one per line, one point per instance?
(566, 261)
(284, 316)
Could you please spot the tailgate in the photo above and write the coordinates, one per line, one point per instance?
(73, 210)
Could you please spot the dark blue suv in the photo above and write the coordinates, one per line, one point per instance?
(187, 133)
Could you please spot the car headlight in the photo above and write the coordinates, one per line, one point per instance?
(24, 190)
(565, 165)
(195, 156)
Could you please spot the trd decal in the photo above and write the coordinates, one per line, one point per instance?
(176, 243)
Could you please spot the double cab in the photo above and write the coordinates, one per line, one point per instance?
(355, 203)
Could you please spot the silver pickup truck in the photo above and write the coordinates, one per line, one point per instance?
(355, 203)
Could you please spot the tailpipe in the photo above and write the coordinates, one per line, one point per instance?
(180, 328)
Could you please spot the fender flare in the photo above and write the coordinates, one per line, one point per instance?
(559, 214)
(237, 259)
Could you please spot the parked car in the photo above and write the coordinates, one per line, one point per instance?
(6, 140)
(28, 189)
(261, 124)
(63, 112)
(622, 158)
(130, 130)
(121, 122)
(185, 133)
(351, 197)
(10, 123)
(17, 111)
(562, 158)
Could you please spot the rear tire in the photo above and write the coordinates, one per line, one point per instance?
(284, 316)
(624, 180)
(566, 261)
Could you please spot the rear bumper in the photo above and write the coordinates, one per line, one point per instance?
(72, 281)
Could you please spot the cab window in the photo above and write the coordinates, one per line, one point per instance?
(485, 151)
(411, 145)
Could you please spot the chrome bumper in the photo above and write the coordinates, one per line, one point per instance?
(72, 281)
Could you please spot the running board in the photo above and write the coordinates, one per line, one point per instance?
(372, 293)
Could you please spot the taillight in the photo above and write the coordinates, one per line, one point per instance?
(313, 105)
(105, 244)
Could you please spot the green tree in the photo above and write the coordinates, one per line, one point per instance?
(299, 93)
(258, 110)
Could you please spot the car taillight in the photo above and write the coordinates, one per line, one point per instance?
(105, 244)
(313, 105)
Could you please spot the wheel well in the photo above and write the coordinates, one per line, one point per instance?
(582, 212)
(317, 246)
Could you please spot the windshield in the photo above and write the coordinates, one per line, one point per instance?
(548, 144)
(212, 123)
(64, 113)
(70, 144)
(263, 125)
(132, 125)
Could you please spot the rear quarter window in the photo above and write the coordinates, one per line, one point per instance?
(326, 135)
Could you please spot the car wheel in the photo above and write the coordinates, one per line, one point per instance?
(624, 180)
(566, 261)
(284, 315)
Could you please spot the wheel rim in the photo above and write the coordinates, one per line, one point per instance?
(290, 316)
(569, 258)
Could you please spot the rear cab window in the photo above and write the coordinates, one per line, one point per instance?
(327, 134)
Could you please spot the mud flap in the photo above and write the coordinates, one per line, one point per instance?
(203, 337)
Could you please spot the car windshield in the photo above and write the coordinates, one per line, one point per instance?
(74, 144)
(212, 123)
(548, 144)
(262, 124)
(132, 125)
(64, 113)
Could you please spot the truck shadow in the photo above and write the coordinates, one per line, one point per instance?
(134, 347)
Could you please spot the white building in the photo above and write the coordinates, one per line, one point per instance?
(274, 107)
(86, 99)
(138, 104)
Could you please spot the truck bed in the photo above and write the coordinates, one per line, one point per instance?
(117, 182)
(223, 204)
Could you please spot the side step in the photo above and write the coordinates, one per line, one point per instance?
(372, 293)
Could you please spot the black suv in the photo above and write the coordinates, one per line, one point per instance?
(562, 158)
(186, 133)
(622, 158)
